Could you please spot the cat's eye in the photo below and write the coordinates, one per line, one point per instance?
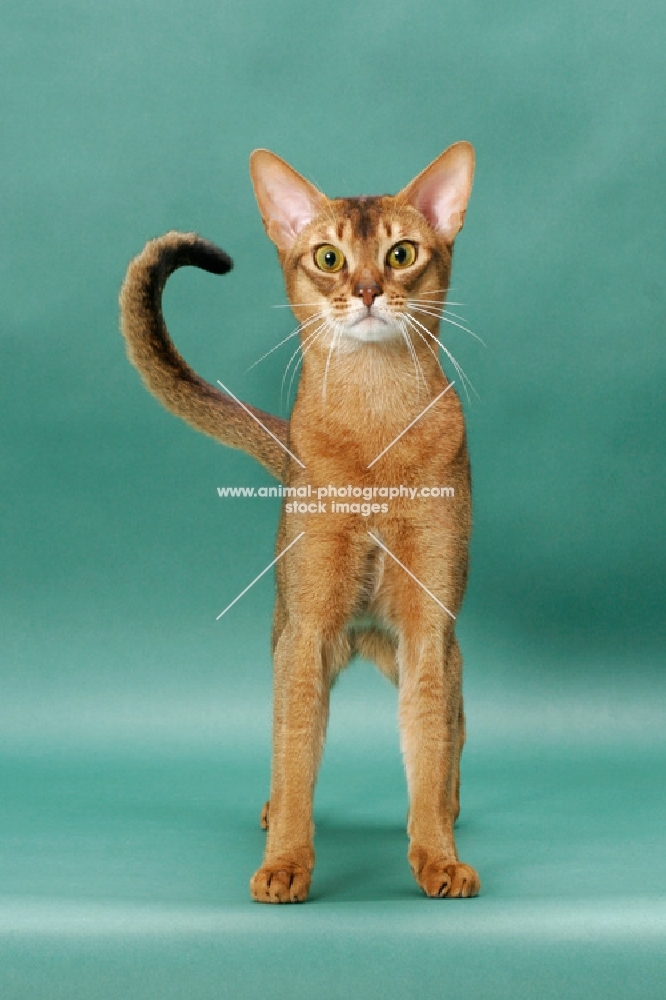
(329, 258)
(401, 255)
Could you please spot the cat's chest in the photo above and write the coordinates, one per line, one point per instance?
(363, 441)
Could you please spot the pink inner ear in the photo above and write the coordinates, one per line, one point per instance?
(442, 190)
(443, 199)
(293, 209)
(286, 200)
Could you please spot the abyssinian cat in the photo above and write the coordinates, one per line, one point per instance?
(367, 280)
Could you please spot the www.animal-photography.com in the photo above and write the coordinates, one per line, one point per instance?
(333, 640)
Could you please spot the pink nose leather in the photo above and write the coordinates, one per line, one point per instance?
(368, 292)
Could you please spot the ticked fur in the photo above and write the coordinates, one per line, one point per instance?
(367, 281)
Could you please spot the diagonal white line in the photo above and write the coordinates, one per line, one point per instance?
(230, 393)
(409, 572)
(259, 577)
(449, 386)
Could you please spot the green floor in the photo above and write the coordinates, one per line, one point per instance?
(125, 873)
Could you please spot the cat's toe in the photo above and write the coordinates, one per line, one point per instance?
(285, 882)
(464, 881)
(448, 879)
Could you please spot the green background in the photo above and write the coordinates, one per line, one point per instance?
(135, 728)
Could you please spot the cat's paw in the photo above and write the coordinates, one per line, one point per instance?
(265, 812)
(281, 882)
(450, 879)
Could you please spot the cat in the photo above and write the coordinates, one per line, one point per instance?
(367, 279)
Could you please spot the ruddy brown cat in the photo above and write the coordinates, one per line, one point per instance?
(367, 280)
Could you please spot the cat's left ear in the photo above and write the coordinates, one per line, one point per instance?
(442, 190)
(287, 201)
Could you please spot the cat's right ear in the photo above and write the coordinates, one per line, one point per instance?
(287, 201)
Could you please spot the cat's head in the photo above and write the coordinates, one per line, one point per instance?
(359, 264)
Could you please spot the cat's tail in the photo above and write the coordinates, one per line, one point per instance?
(164, 371)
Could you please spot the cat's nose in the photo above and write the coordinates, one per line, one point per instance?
(367, 291)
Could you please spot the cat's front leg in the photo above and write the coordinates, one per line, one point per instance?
(300, 712)
(430, 719)
(311, 647)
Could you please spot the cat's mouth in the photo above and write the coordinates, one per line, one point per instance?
(369, 326)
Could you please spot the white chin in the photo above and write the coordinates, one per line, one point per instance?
(371, 329)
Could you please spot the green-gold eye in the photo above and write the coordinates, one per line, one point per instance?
(329, 258)
(403, 254)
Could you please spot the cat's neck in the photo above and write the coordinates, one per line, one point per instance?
(382, 380)
(358, 399)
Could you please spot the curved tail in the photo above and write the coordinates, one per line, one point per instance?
(164, 371)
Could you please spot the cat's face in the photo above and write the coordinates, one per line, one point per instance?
(356, 268)
(362, 263)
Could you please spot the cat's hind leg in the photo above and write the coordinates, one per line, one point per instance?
(279, 622)
(455, 802)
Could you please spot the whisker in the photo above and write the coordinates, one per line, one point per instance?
(292, 334)
(447, 319)
(290, 305)
(429, 348)
(306, 347)
(466, 380)
(462, 375)
(328, 361)
(461, 372)
(299, 328)
(299, 348)
(293, 375)
(405, 332)
(415, 362)
(418, 362)
(404, 316)
(434, 303)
